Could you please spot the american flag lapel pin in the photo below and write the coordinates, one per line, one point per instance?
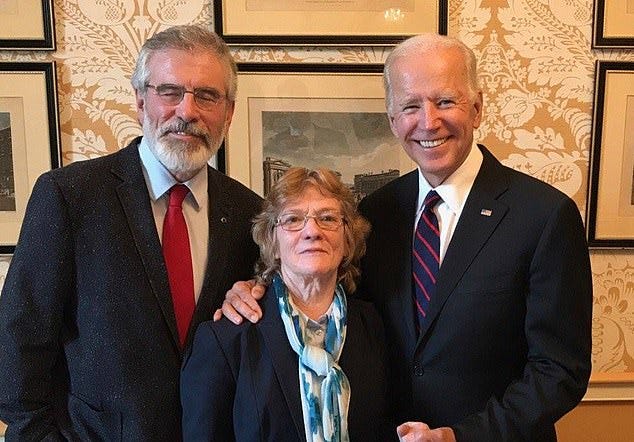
(486, 212)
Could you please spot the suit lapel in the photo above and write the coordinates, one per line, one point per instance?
(284, 359)
(481, 215)
(135, 200)
(406, 196)
(221, 227)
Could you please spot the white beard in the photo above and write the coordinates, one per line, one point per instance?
(182, 159)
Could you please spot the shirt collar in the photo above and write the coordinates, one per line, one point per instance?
(159, 180)
(455, 189)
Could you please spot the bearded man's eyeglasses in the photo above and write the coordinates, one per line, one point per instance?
(172, 95)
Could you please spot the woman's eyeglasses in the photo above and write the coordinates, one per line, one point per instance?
(293, 222)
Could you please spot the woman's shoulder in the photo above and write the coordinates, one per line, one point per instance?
(226, 332)
(222, 333)
(224, 328)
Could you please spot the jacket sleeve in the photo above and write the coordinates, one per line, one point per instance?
(207, 389)
(32, 309)
(558, 333)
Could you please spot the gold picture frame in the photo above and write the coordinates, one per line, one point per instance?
(29, 139)
(344, 97)
(610, 214)
(27, 25)
(610, 387)
(323, 22)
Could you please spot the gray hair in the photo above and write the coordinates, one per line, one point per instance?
(185, 38)
(418, 46)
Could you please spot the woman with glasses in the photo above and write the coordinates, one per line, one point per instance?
(312, 368)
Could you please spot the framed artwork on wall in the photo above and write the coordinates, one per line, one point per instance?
(324, 22)
(312, 116)
(613, 24)
(610, 214)
(27, 25)
(29, 139)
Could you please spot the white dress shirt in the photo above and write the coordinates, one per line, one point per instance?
(195, 208)
(454, 192)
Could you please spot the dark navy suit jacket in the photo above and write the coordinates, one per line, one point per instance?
(506, 349)
(88, 338)
(242, 382)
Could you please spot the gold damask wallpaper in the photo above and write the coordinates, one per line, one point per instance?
(536, 67)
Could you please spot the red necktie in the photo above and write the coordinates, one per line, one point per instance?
(178, 259)
(425, 257)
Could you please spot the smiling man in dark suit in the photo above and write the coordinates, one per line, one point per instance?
(98, 305)
(501, 349)
(504, 349)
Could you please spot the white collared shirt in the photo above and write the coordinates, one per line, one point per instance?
(195, 208)
(454, 192)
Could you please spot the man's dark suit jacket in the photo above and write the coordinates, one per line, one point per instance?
(506, 349)
(242, 382)
(88, 338)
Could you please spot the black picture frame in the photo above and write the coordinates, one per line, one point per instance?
(368, 39)
(604, 36)
(10, 41)
(42, 140)
(611, 181)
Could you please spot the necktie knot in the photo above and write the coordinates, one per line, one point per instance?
(431, 199)
(178, 192)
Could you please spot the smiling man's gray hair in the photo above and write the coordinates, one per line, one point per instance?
(425, 45)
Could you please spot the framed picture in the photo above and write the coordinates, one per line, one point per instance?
(329, 116)
(27, 25)
(613, 24)
(610, 214)
(324, 22)
(29, 139)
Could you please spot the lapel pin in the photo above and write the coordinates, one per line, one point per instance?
(486, 212)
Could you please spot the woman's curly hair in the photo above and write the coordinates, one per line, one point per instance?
(290, 187)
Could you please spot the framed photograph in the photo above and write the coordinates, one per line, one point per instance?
(27, 25)
(329, 116)
(29, 139)
(610, 214)
(613, 24)
(327, 22)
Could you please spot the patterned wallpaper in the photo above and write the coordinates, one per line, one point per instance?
(535, 63)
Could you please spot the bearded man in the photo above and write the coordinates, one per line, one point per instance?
(120, 257)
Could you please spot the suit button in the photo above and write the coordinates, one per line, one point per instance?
(418, 370)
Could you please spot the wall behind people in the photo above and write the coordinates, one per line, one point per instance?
(536, 67)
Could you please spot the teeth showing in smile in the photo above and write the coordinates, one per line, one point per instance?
(432, 143)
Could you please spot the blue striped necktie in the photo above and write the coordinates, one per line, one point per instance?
(425, 258)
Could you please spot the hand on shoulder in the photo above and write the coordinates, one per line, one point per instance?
(241, 301)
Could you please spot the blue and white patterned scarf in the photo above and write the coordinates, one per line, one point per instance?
(325, 390)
